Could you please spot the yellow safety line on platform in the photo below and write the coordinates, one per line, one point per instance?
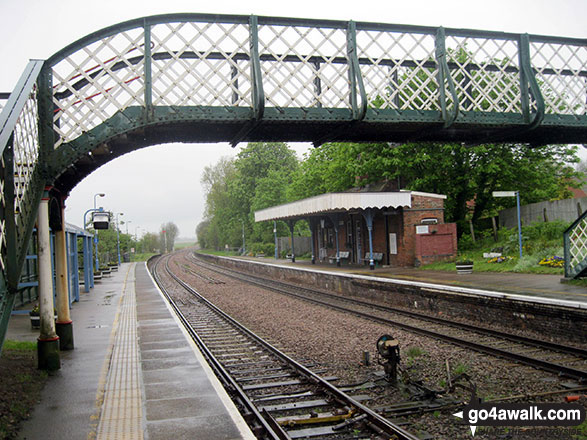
(106, 365)
(121, 412)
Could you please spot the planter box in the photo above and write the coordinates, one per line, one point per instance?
(35, 322)
(464, 268)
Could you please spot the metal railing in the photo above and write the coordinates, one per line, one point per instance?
(376, 72)
(575, 247)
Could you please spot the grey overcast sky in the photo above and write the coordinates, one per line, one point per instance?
(162, 183)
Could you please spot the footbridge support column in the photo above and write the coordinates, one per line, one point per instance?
(48, 341)
(64, 324)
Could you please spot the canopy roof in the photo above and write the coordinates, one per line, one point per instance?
(340, 202)
(73, 229)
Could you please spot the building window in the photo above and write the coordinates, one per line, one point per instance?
(330, 232)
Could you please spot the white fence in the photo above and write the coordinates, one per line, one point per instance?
(567, 210)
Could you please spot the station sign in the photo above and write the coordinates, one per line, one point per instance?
(504, 194)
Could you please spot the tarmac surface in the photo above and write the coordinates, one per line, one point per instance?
(134, 373)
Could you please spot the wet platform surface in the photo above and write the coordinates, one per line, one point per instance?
(134, 373)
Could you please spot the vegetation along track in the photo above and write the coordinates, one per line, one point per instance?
(545, 355)
(279, 397)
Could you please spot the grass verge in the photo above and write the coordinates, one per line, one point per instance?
(20, 386)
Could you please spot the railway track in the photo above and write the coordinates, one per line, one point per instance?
(545, 355)
(279, 397)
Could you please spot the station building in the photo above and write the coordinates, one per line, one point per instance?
(363, 226)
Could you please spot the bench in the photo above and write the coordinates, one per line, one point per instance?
(377, 258)
(344, 255)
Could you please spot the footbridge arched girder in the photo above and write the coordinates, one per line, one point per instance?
(456, 84)
(206, 78)
(211, 78)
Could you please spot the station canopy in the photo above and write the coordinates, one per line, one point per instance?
(340, 202)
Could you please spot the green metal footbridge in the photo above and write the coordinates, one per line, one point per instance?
(212, 78)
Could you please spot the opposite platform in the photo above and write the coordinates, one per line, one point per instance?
(538, 288)
(134, 373)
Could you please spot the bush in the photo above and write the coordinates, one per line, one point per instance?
(265, 248)
(545, 231)
(526, 263)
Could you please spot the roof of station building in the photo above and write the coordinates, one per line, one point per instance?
(340, 202)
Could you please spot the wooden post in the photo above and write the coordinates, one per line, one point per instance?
(472, 230)
(494, 225)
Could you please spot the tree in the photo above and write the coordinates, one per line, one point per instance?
(582, 168)
(232, 193)
(108, 244)
(149, 243)
(167, 236)
(463, 173)
(329, 168)
(269, 191)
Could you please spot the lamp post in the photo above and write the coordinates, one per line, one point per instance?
(515, 194)
(118, 237)
(275, 236)
(244, 249)
(96, 232)
(97, 195)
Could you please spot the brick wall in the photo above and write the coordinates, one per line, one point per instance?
(439, 244)
(422, 208)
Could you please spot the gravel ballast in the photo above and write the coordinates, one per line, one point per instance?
(337, 341)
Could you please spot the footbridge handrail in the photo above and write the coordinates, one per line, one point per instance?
(575, 247)
(20, 181)
(16, 101)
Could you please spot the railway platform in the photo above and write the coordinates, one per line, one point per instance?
(529, 287)
(133, 374)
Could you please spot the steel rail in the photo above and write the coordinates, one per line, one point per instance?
(575, 351)
(373, 418)
(233, 387)
(551, 367)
